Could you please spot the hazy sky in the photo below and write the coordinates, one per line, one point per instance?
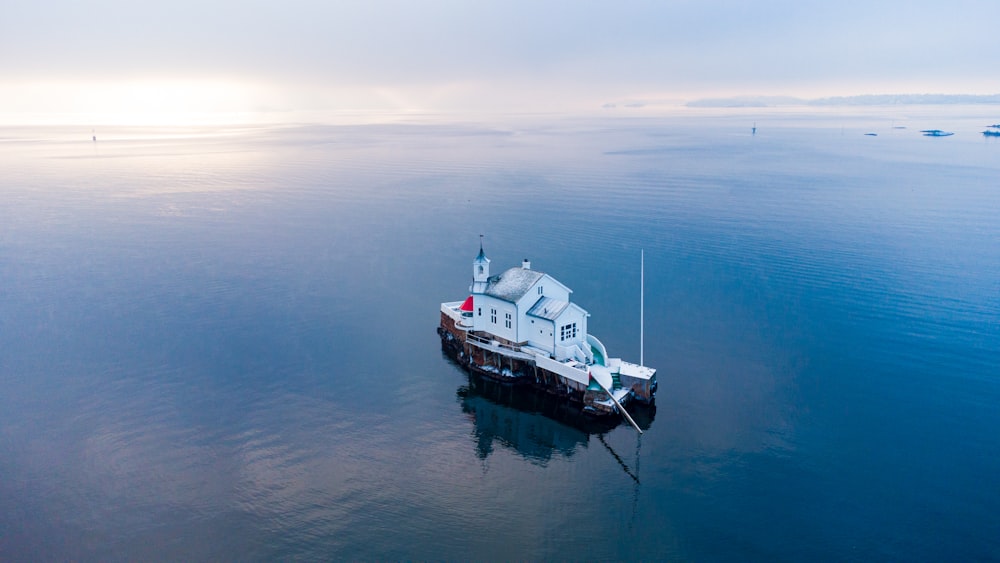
(513, 55)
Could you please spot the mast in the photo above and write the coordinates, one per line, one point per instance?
(642, 304)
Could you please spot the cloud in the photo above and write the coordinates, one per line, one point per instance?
(445, 52)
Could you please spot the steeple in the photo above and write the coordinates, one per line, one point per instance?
(480, 270)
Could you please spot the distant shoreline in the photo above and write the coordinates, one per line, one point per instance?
(861, 100)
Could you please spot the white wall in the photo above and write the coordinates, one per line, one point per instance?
(549, 288)
(540, 333)
(572, 314)
(481, 306)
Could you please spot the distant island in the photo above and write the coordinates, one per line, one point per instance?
(862, 100)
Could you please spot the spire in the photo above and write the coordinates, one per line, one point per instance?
(480, 270)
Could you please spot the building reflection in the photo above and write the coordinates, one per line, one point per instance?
(535, 425)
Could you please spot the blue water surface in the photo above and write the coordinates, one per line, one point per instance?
(219, 344)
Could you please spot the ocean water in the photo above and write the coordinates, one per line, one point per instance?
(219, 344)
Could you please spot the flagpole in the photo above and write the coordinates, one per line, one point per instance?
(642, 303)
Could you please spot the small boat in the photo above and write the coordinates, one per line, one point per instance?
(936, 133)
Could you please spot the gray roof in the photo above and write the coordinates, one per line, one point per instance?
(548, 308)
(512, 284)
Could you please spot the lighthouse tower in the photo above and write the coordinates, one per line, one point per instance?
(480, 270)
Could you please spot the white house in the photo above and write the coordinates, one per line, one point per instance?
(529, 308)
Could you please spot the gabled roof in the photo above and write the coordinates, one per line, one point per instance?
(548, 308)
(512, 284)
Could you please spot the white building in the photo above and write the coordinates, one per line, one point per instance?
(520, 325)
(529, 308)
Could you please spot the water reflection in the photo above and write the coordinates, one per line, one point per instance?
(221, 350)
(537, 426)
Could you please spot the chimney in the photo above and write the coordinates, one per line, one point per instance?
(526, 264)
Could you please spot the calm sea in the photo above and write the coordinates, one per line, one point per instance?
(219, 344)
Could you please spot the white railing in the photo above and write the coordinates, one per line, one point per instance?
(451, 309)
(494, 343)
(594, 342)
(455, 313)
(559, 368)
(512, 350)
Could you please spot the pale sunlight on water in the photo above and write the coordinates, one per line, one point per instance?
(220, 344)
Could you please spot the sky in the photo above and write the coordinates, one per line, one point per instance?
(156, 60)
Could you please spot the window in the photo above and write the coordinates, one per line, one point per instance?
(567, 332)
(507, 320)
(493, 316)
(480, 311)
(539, 290)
